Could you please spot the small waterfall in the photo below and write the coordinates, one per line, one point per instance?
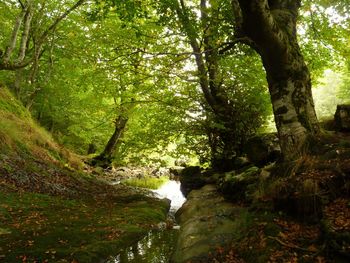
(171, 190)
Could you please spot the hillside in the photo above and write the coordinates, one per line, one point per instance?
(50, 209)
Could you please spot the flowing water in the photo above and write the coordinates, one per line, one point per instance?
(158, 245)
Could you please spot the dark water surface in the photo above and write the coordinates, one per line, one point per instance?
(158, 245)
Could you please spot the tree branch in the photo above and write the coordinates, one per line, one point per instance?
(59, 19)
(257, 14)
(22, 5)
(13, 39)
(25, 34)
(202, 71)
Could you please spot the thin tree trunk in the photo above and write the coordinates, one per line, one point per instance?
(25, 34)
(104, 159)
(223, 138)
(12, 43)
(17, 83)
(271, 25)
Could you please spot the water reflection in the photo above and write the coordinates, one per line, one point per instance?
(157, 246)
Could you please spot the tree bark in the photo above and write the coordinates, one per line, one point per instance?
(271, 25)
(12, 43)
(104, 159)
(25, 34)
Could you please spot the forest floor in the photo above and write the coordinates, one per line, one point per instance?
(86, 222)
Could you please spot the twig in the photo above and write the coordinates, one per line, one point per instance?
(290, 245)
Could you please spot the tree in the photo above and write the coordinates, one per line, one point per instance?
(27, 38)
(269, 27)
(229, 121)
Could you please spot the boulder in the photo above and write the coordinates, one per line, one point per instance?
(240, 162)
(342, 118)
(191, 178)
(208, 223)
(176, 171)
(263, 149)
(235, 186)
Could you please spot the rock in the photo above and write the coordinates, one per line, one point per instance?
(241, 162)
(161, 171)
(191, 178)
(328, 125)
(207, 223)
(223, 164)
(176, 171)
(234, 186)
(342, 118)
(263, 149)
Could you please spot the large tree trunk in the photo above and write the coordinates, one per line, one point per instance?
(271, 27)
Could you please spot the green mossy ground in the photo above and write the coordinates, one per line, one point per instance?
(39, 227)
(51, 210)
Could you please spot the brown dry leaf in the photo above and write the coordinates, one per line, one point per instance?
(282, 235)
(312, 248)
(320, 259)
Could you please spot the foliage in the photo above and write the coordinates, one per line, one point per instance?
(324, 28)
(110, 55)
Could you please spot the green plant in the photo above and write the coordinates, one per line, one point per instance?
(147, 182)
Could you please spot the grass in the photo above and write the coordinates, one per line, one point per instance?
(21, 135)
(147, 182)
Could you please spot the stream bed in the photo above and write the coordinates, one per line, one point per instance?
(157, 246)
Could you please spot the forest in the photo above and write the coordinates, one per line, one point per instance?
(243, 104)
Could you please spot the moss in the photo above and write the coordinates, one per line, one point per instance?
(42, 227)
(20, 135)
(8, 103)
(88, 222)
(304, 120)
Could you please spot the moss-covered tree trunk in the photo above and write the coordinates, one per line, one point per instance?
(270, 26)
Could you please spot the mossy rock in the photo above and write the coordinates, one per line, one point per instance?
(262, 149)
(235, 186)
(208, 222)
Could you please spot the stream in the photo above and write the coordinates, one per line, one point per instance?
(157, 246)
